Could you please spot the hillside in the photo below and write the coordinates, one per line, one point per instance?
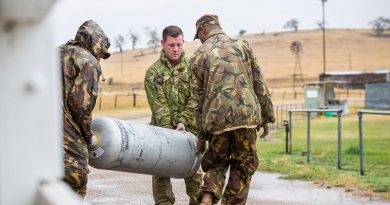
(357, 49)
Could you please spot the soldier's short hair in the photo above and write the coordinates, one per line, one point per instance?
(173, 31)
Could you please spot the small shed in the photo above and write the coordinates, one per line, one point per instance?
(378, 96)
(356, 79)
(314, 95)
(376, 83)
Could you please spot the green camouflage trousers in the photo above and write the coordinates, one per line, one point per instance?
(236, 149)
(75, 160)
(162, 189)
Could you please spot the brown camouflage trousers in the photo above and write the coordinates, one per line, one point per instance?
(162, 189)
(236, 149)
(75, 160)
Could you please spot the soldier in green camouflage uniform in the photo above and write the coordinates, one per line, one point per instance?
(80, 76)
(231, 100)
(167, 89)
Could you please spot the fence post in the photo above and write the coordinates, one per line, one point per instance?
(134, 99)
(290, 136)
(339, 139)
(116, 98)
(308, 136)
(360, 115)
(285, 124)
(277, 117)
(100, 102)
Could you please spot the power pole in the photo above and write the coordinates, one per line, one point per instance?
(323, 33)
(324, 51)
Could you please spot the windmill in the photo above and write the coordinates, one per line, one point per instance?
(296, 48)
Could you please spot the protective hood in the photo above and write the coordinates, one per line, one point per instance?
(92, 37)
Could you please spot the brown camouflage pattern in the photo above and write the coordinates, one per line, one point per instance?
(235, 148)
(228, 90)
(80, 76)
(230, 98)
(168, 89)
(207, 19)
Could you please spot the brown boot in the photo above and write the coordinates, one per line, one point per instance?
(207, 199)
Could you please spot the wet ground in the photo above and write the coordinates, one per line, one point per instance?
(120, 188)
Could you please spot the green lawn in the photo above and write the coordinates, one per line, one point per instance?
(322, 168)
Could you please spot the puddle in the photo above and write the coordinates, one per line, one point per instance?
(268, 187)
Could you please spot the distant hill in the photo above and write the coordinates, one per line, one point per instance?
(356, 49)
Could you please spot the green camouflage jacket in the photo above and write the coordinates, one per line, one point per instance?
(228, 90)
(167, 89)
(80, 76)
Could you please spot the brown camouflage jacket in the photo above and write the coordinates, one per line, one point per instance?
(80, 76)
(228, 90)
(167, 89)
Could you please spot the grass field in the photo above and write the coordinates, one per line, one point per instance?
(322, 168)
(355, 49)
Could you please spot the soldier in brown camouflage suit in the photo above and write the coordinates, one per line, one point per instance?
(80, 76)
(167, 89)
(231, 100)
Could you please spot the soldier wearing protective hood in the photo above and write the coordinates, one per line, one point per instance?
(80, 76)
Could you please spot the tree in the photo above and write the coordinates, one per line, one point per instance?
(293, 23)
(133, 37)
(379, 25)
(241, 32)
(154, 41)
(319, 24)
(119, 42)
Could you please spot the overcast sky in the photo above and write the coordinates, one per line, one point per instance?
(255, 16)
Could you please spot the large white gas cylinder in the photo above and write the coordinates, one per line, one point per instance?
(145, 149)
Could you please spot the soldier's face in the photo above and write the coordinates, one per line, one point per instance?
(202, 34)
(173, 48)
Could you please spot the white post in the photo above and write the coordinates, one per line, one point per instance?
(30, 109)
